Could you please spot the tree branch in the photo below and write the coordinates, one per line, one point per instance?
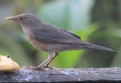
(63, 75)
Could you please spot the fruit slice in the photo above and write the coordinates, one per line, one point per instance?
(7, 64)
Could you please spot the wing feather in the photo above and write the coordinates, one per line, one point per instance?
(51, 34)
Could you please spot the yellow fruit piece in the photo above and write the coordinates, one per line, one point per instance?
(7, 64)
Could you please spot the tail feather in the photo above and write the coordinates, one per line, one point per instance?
(93, 46)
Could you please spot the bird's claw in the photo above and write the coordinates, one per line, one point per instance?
(39, 67)
(34, 68)
(49, 67)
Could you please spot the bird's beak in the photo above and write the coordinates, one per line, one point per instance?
(10, 18)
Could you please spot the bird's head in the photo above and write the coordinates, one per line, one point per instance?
(25, 20)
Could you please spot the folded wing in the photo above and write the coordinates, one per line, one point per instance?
(55, 35)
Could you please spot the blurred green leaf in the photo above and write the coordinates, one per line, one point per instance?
(117, 60)
(68, 14)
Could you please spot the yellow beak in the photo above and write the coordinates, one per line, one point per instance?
(9, 18)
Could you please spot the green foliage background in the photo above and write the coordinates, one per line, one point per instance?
(95, 21)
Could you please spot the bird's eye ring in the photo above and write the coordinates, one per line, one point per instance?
(21, 18)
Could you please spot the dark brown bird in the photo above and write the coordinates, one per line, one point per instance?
(49, 38)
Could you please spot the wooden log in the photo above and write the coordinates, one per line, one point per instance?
(63, 75)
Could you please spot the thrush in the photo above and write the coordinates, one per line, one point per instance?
(52, 39)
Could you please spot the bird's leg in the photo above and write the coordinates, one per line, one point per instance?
(42, 65)
(46, 62)
(55, 54)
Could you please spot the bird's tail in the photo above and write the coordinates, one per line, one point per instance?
(93, 46)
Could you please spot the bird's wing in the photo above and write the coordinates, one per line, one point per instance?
(52, 34)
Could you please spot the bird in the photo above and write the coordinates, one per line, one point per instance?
(50, 38)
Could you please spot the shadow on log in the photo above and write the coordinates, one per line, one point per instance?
(88, 75)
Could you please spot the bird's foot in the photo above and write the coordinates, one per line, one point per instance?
(38, 67)
(49, 67)
(34, 68)
(41, 68)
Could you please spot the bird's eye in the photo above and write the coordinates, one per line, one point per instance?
(21, 18)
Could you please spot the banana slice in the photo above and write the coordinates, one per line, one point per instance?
(7, 64)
